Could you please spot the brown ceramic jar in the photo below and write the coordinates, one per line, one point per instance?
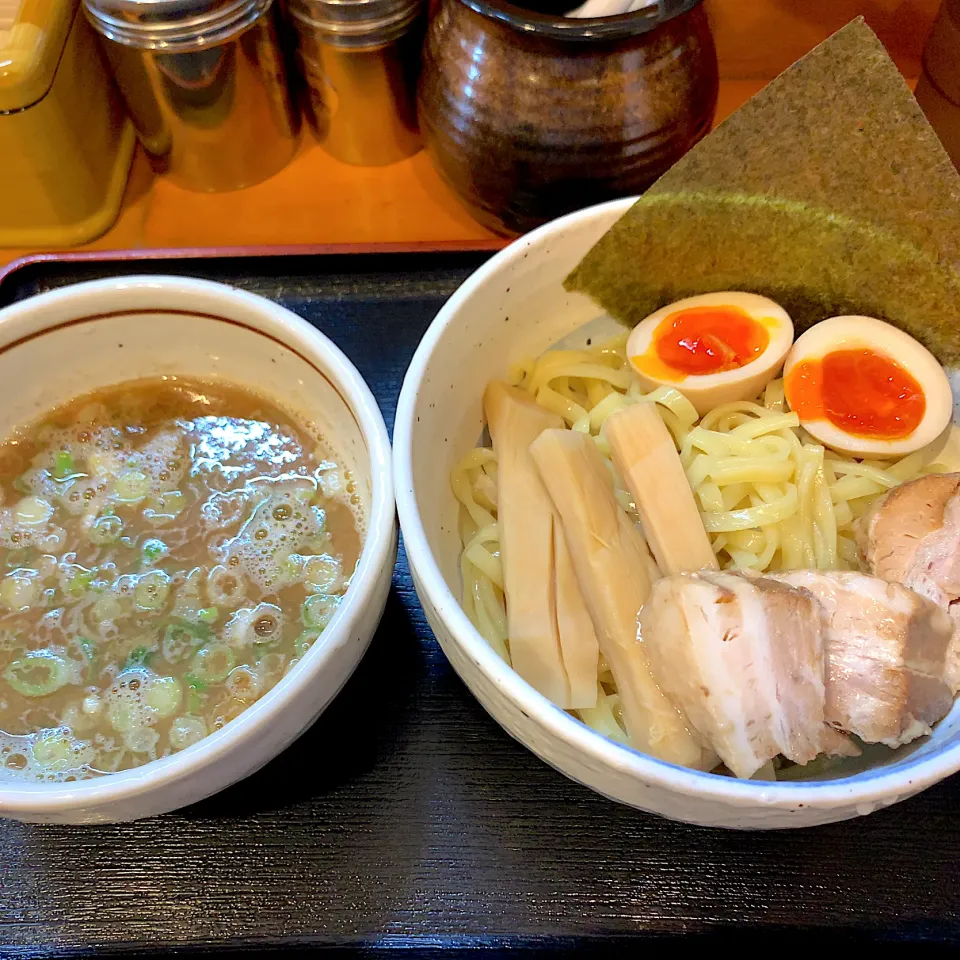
(938, 90)
(528, 117)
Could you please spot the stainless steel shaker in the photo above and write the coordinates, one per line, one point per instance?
(359, 60)
(206, 85)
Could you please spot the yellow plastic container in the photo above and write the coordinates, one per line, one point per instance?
(65, 142)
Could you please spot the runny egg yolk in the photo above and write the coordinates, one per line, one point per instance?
(863, 393)
(700, 341)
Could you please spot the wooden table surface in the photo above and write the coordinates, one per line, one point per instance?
(317, 200)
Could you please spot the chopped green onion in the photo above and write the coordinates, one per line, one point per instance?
(90, 655)
(185, 731)
(91, 704)
(318, 609)
(152, 590)
(18, 592)
(125, 715)
(195, 694)
(181, 638)
(244, 683)
(80, 582)
(164, 696)
(62, 465)
(33, 510)
(261, 624)
(225, 586)
(208, 615)
(323, 574)
(140, 739)
(153, 550)
(105, 529)
(55, 750)
(106, 607)
(293, 568)
(138, 657)
(163, 507)
(305, 641)
(211, 664)
(37, 673)
(18, 558)
(132, 486)
(89, 650)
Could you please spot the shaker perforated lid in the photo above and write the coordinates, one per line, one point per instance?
(355, 23)
(173, 25)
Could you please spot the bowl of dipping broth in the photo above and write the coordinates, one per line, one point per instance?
(197, 532)
(492, 367)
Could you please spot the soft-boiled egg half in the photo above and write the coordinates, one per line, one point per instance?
(863, 387)
(714, 348)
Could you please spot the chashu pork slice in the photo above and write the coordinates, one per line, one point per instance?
(553, 645)
(743, 658)
(912, 536)
(885, 655)
(612, 567)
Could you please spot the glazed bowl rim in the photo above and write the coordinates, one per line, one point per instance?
(868, 789)
(47, 313)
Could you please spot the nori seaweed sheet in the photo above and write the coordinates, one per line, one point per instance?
(828, 191)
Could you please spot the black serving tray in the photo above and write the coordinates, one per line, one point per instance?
(406, 819)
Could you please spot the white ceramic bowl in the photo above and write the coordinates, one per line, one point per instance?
(59, 345)
(514, 307)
